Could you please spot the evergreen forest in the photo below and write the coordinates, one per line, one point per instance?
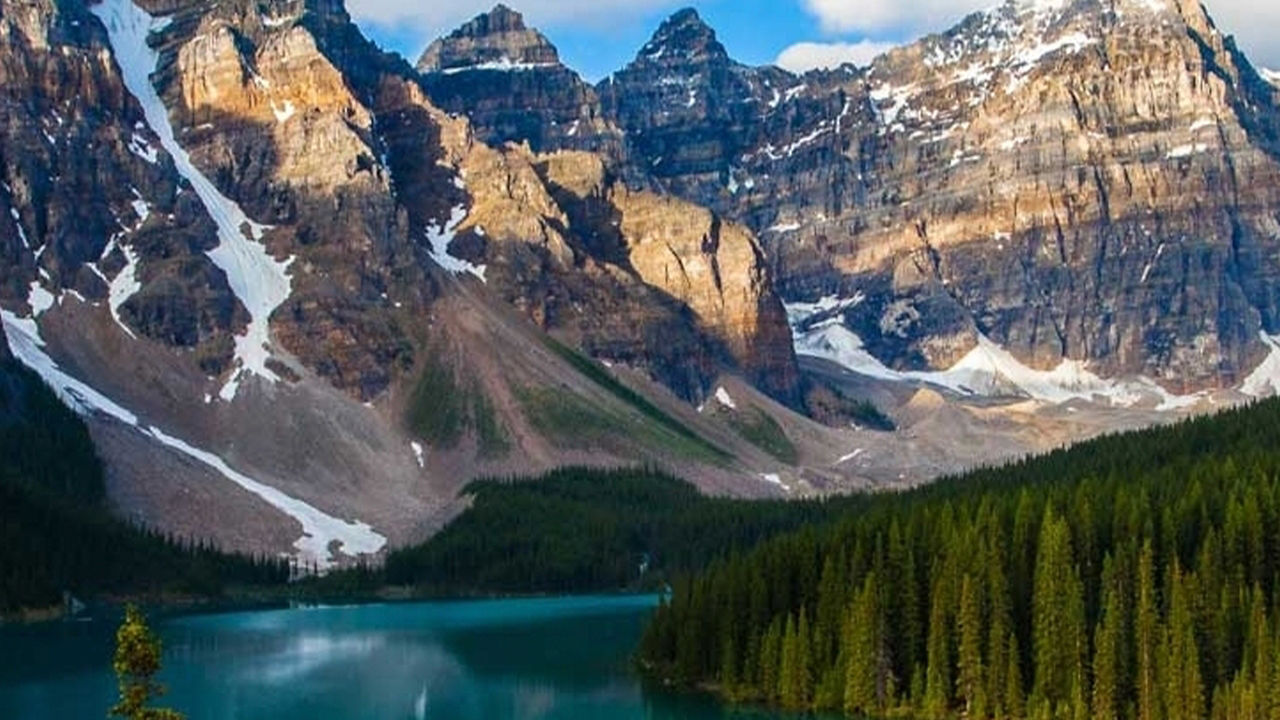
(1134, 577)
(56, 532)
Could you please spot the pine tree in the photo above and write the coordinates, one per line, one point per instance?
(1147, 631)
(729, 659)
(1106, 654)
(804, 661)
(908, 612)
(831, 608)
(1058, 617)
(1259, 660)
(970, 672)
(937, 700)
(1182, 681)
(770, 662)
(999, 627)
(868, 683)
(795, 681)
(136, 663)
(1014, 695)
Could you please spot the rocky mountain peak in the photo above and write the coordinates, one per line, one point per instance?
(498, 39)
(509, 81)
(501, 19)
(683, 37)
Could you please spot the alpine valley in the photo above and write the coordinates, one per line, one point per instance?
(302, 292)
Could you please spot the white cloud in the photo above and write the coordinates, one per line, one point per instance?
(805, 56)
(1253, 22)
(898, 16)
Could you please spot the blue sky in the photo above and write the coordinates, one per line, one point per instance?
(596, 46)
(597, 37)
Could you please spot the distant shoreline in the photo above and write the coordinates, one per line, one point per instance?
(189, 605)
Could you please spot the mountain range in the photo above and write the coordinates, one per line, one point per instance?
(304, 291)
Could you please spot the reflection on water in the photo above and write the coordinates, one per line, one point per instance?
(552, 659)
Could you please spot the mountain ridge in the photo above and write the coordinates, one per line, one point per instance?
(320, 288)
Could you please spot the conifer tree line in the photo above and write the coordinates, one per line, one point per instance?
(1131, 578)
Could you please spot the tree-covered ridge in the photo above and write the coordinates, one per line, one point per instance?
(584, 530)
(1131, 577)
(56, 533)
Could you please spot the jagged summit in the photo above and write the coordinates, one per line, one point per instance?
(498, 39)
(501, 19)
(683, 37)
(508, 79)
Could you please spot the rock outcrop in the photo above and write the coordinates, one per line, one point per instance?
(692, 115)
(89, 207)
(509, 82)
(633, 277)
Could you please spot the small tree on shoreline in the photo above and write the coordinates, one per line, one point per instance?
(136, 662)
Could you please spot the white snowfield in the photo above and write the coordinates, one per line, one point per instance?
(124, 286)
(320, 531)
(775, 479)
(440, 237)
(987, 370)
(723, 397)
(504, 64)
(259, 281)
(1264, 381)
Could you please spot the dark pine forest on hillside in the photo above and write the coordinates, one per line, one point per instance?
(56, 532)
(1131, 577)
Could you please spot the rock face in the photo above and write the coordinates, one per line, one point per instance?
(509, 81)
(88, 204)
(290, 115)
(633, 277)
(691, 114)
(1087, 180)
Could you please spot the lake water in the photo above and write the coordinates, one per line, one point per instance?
(544, 659)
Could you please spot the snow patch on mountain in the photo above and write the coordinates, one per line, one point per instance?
(17, 223)
(283, 112)
(320, 531)
(258, 280)
(139, 146)
(995, 51)
(1264, 381)
(1271, 76)
(39, 299)
(723, 397)
(988, 370)
(439, 238)
(1185, 151)
(775, 479)
(124, 286)
(275, 21)
(501, 65)
(850, 456)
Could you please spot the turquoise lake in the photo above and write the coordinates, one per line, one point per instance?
(548, 658)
